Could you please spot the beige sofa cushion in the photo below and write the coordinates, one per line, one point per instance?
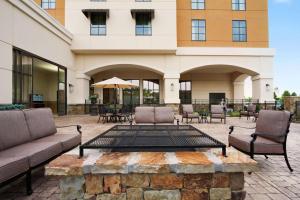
(40, 122)
(164, 115)
(144, 115)
(13, 129)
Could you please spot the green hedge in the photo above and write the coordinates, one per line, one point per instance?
(12, 107)
(234, 114)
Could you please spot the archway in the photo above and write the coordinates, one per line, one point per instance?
(150, 83)
(215, 82)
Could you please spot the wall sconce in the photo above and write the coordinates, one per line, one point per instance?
(172, 87)
(268, 86)
(71, 87)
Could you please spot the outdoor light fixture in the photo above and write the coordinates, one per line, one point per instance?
(71, 87)
(172, 87)
(268, 86)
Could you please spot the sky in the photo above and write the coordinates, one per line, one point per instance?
(284, 32)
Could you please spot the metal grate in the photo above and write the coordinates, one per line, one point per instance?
(152, 138)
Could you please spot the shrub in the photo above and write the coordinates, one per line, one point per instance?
(12, 107)
(234, 114)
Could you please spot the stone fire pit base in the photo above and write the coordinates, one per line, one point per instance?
(152, 175)
(154, 186)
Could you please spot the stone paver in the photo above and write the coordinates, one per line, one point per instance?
(273, 181)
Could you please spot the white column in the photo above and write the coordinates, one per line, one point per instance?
(238, 90)
(171, 88)
(5, 73)
(262, 89)
(81, 88)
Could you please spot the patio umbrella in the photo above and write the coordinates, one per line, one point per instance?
(115, 83)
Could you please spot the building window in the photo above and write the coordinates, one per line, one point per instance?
(22, 79)
(143, 24)
(131, 97)
(239, 31)
(98, 24)
(238, 4)
(185, 92)
(48, 4)
(198, 30)
(151, 91)
(198, 4)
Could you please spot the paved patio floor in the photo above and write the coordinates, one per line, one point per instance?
(273, 181)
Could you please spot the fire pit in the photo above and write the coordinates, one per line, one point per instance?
(137, 138)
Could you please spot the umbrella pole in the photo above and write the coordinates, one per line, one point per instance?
(115, 100)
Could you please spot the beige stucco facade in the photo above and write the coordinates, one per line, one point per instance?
(163, 56)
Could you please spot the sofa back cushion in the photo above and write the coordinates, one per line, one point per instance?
(13, 129)
(144, 115)
(251, 108)
(273, 124)
(40, 122)
(164, 115)
(217, 109)
(187, 109)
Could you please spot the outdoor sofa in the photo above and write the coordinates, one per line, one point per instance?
(269, 137)
(154, 115)
(30, 139)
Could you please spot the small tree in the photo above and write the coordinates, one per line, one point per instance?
(276, 97)
(286, 93)
(294, 94)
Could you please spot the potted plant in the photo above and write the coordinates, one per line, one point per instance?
(94, 98)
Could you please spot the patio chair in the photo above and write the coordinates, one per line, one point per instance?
(249, 112)
(269, 138)
(188, 113)
(104, 113)
(218, 112)
(125, 114)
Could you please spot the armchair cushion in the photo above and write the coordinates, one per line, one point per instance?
(193, 115)
(251, 108)
(273, 124)
(217, 109)
(217, 115)
(187, 109)
(261, 145)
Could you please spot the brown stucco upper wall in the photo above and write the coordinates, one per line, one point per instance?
(219, 15)
(59, 12)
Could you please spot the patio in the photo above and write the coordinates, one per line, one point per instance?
(273, 181)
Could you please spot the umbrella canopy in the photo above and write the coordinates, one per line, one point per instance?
(114, 83)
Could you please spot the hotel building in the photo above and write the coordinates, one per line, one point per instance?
(51, 51)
